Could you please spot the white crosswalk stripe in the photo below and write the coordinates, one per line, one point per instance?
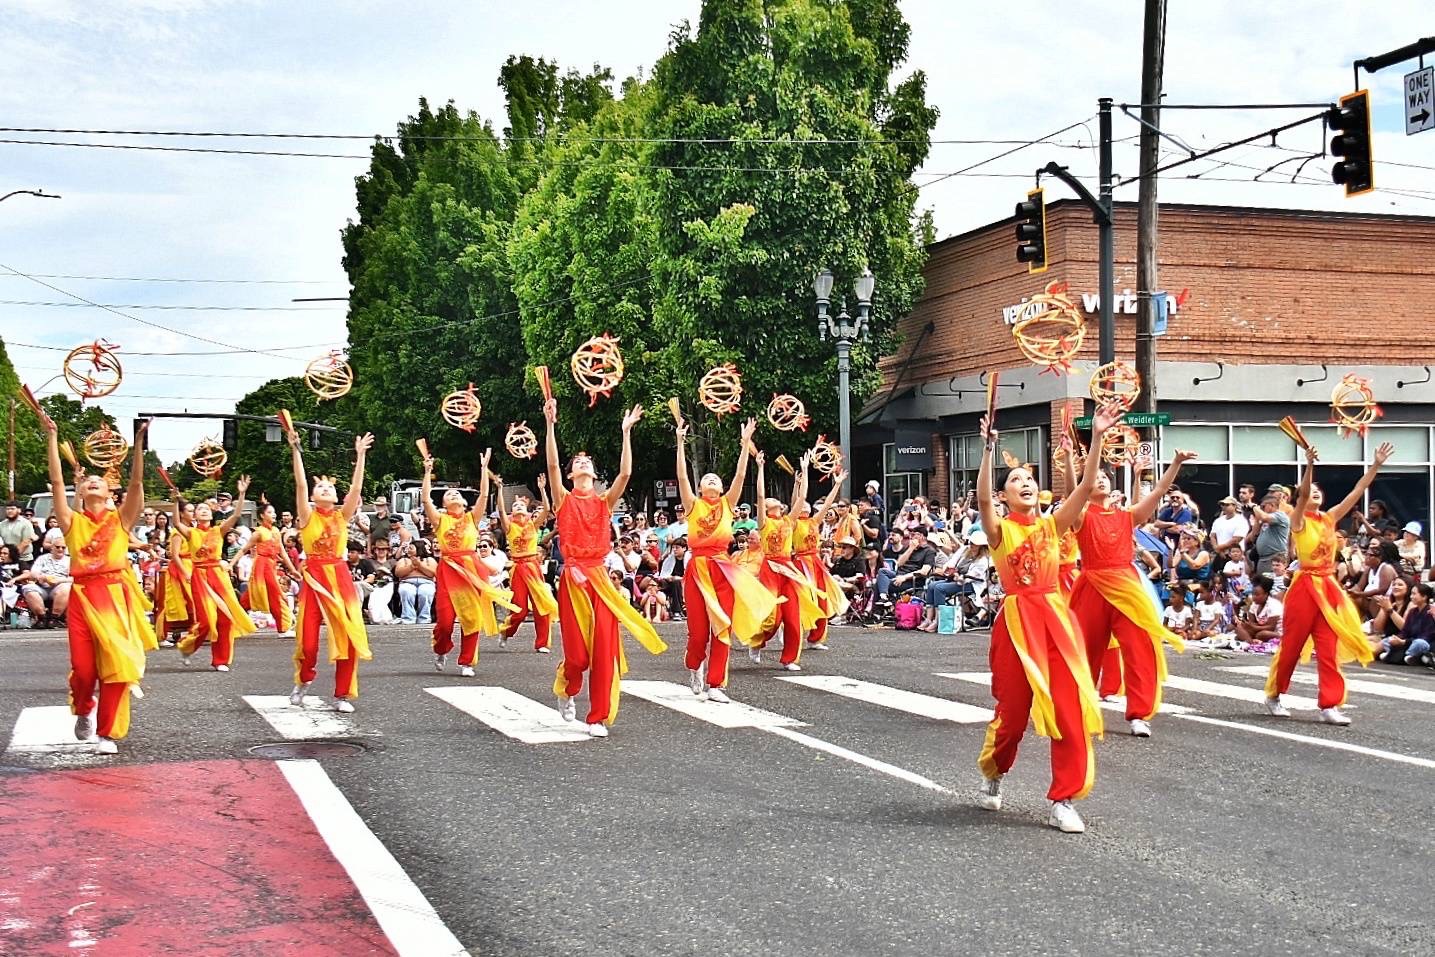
(924, 705)
(1358, 685)
(316, 721)
(1217, 689)
(1118, 704)
(512, 714)
(47, 730)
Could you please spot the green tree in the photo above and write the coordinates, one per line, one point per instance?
(30, 468)
(267, 463)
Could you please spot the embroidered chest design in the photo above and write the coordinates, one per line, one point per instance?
(208, 547)
(93, 555)
(327, 544)
(708, 524)
(1025, 561)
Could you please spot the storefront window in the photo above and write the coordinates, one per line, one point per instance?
(1412, 442)
(1209, 442)
(1332, 446)
(1026, 445)
(1261, 443)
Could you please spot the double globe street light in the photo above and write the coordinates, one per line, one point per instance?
(846, 330)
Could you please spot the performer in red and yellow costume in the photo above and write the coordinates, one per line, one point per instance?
(1109, 600)
(530, 591)
(806, 538)
(174, 607)
(798, 609)
(723, 600)
(326, 592)
(1038, 664)
(590, 607)
(266, 592)
(462, 589)
(1317, 610)
(108, 619)
(219, 618)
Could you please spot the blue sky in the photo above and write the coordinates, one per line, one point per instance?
(359, 67)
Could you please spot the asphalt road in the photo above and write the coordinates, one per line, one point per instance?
(675, 836)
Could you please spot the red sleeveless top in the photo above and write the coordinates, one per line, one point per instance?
(1106, 538)
(585, 528)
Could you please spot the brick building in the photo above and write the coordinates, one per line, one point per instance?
(1270, 309)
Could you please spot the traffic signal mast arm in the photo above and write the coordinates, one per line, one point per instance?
(1099, 212)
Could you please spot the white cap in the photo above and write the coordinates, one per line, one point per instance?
(872, 483)
(977, 537)
(1413, 528)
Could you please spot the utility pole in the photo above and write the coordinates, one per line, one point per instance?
(1153, 55)
(10, 480)
(1106, 220)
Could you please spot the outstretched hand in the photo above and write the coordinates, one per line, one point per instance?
(550, 410)
(542, 480)
(428, 466)
(1383, 453)
(631, 419)
(483, 459)
(1183, 456)
(749, 429)
(242, 485)
(363, 443)
(989, 431)
(1106, 417)
(839, 476)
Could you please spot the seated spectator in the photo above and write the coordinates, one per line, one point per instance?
(1237, 572)
(1383, 625)
(1260, 620)
(913, 566)
(653, 603)
(1382, 567)
(1190, 562)
(848, 567)
(1210, 613)
(942, 583)
(9, 572)
(1173, 516)
(1412, 549)
(670, 575)
(46, 586)
(743, 520)
(1179, 616)
(362, 570)
(415, 572)
(1411, 645)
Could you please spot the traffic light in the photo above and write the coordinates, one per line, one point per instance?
(1031, 231)
(1350, 122)
(231, 435)
(313, 438)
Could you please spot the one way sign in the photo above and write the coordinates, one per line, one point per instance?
(1419, 100)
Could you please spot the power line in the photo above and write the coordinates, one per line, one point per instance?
(221, 352)
(185, 149)
(254, 282)
(129, 372)
(1003, 154)
(170, 307)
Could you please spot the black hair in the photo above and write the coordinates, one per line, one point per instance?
(1426, 589)
(1380, 503)
(1264, 583)
(1390, 553)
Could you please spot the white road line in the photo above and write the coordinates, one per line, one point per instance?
(512, 714)
(315, 721)
(1119, 705)
(1306, 739)
(1361, 685)
(736, 715)
(924, 705)
(47, 730)
(406, 916)
(1236, 692)
(903, 774)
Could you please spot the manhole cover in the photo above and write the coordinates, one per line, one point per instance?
(306, 749)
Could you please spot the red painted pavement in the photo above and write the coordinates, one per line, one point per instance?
(202, 859)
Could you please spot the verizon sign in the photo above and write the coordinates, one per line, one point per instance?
(1127, 301)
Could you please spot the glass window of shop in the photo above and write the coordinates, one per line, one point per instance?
(1026, 445)
(897, 487)
(1233, 455)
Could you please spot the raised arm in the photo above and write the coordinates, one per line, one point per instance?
(1382, 455)
(555, 469)
(1302, 499)
(986, 505)
(1142, 511)
(228, 524)
(799, 483)
(134, 496)
(58, 503)
(480, 506)
(625, 463)
(739, 478)
(761, 488)
(301, 481)
(541, 516)
(837, 478)
(355, 498)
(502, 508)
(1075, 503)
(685, 479)
(179, 513)
(426, 492)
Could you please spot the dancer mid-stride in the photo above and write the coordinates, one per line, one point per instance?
(1109, 600)
(463, 591)
(723, 600)
(327, 593)
(265, 593)
(806, 537)
(219, 618)
(1038, 664)
(108, 623)
(1317, 610)
(590, 607)
(174, 607)
(798, 610)
(530, 591)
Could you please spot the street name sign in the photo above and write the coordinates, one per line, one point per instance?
(1137, 420)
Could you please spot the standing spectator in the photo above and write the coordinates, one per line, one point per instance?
(223, 507)
(1237, 573)
(1274, 536)
(870, 520)
(874, 498)
(679, 527)
(494, 559)
(1246, 500)
(660, 529)
(1412, 549)
(744, 522)
(1173, 516)
(1378, 518)
(1229, 528)
(18, 530)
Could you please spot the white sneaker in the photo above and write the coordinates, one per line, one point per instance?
(568, 709)
(597, 730)
(818, 646)
(1065, 819)
(466, 671)
(545, 650)
(136, 691)
(184, 659)
(1274, 706)
(343, 706)
(85, 727)
(754, 655)
(439, 661)
(718, 696)
(989, 795)
(792, 666)
(285, 634)
(1111, 698)
(1141, 729)
(223, 668)
(1334, 716)
(296, 697)
(695, 680)
(502, 642)
(107, 746)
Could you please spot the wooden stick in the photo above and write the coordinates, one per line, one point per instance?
(286, 421)
(1289, 427)
(541, 374)
(33, 403)
(423, 445)
(167, 480)
(68, 451)
(676, 410)
(992, 398)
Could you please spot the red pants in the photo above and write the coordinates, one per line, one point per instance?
(1072, 760)
(278, 598)
(576, 660)
(444, 617)
(221, 641)
(1099, 621)
(113, 721)
(1303, 622)
(306, 654)
(789, 619)
(702, 642)
(1110, 674)
(541, 623)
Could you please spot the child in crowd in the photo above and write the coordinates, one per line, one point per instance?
(1237, 573)
(654, 603)
(1211, 617)
(1178, 616)
(1280, 576)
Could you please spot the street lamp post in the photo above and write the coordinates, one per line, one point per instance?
(846, 330)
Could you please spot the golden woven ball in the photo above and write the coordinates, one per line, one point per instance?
(720, 389)
(329, 376)
(520, 441)
(208, 458)
(1115, 383)
(787, 413)
(1352, 405)
(1120, 445)
(826, 456)
(1050, 329)
(597, 367)
(105, 448)
(461, 408)
(93, 371)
